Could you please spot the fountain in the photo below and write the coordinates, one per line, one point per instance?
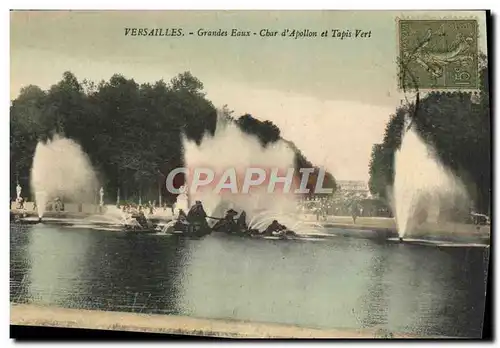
(113, 216)
(422, 185)
(61, 169)
(182, 201)
(232, 148)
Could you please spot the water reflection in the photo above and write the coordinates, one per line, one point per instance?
(341, 283)
(19, 263)
(52, 280)
(404, 288)
(314, 284)
(374, 305)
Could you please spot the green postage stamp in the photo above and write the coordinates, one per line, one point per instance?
(438, 54)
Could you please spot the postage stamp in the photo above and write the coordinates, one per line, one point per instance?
(438, 54)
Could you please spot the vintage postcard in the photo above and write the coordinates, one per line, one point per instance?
(251, 174)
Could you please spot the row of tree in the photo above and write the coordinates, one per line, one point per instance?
(131, 133)
(457, 125)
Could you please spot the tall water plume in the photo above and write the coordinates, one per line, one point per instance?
(230, 147)
(61, 169)
(423, 187)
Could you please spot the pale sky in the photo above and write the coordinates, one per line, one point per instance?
(331, 97)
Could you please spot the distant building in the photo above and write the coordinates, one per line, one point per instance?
(356, 187)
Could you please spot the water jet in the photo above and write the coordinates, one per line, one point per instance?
(230, 147)
(61, 169)
(422, 192)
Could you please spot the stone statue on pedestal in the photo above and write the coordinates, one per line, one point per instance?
(101, 195)
(18, 191)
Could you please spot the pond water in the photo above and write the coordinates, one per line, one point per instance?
(334, 283)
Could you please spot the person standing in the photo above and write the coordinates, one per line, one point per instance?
(354, 212)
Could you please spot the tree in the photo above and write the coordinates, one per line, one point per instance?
(26, 127)
(267, 132)
(457, 127)
(131, 132)
(187, 82)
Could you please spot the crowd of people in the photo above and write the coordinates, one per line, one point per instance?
(341, 205)
(132, 208)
